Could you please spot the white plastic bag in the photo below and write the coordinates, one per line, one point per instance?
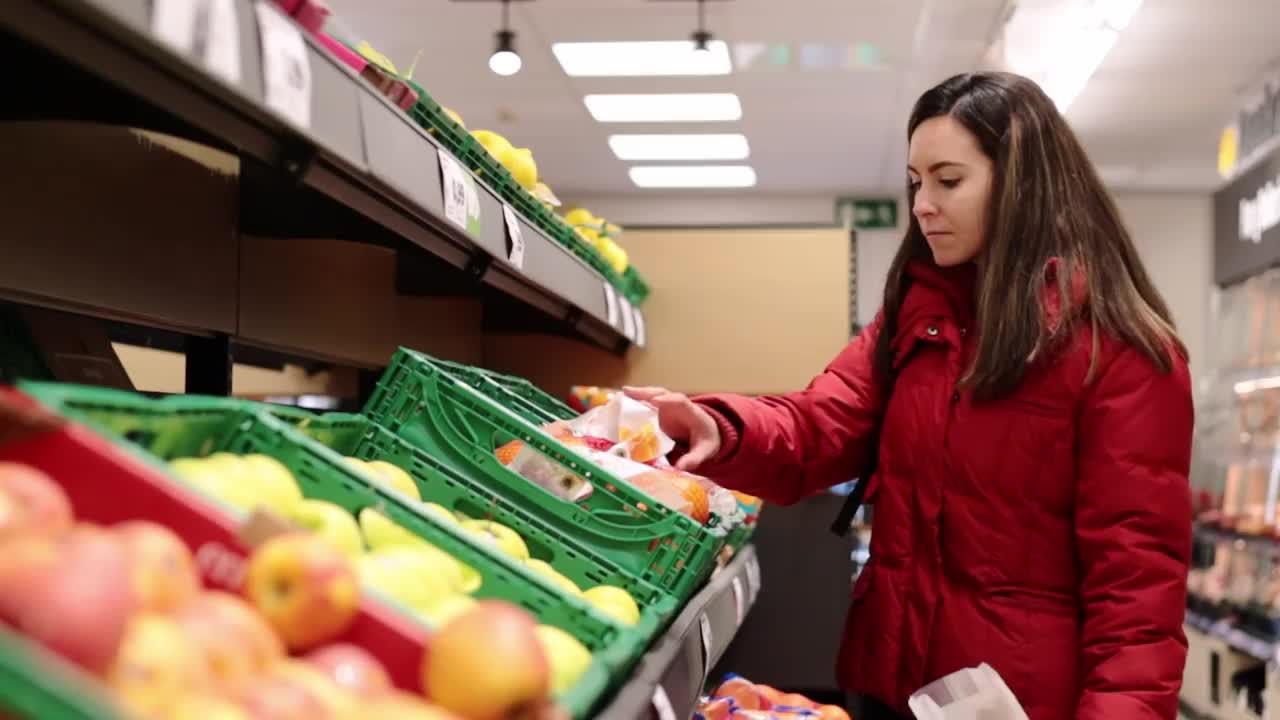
(970, 694)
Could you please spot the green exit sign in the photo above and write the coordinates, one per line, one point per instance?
(867, 213)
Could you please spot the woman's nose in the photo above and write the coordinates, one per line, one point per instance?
(923, 205)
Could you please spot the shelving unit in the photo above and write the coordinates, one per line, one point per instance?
(360, 170)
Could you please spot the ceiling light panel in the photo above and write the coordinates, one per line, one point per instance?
(659, 107)
(709, 146)
(693, 176)
(642, 59)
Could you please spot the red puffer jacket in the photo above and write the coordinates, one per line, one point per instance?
(1047, 533)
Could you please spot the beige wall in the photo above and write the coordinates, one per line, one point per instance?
(750, 310)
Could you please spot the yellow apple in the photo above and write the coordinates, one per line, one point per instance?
(439, 511)
(330, 522)
(414, 577)
(394, 477)
(443, 612)
(276, 485)
(502, 537)
(542, 568)
(569, 658)
(615, 602)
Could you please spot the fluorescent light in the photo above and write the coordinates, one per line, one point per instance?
(639, 59)
(693, 176)
(1061, 45)
(727, 146)
(670, 107)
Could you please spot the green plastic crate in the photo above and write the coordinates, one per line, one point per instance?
(357, 436)
(515, 394)
(634, 286)
(186, 426)
(36, 685)
(445, 416)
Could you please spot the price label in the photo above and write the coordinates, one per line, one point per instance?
(461, 199)
(708, 641)
(286, 71)
(173, 22)
(611, 303)
(662, 704)
(516, 253)
(641, 339)
(739, 598)
(221, 40)
(628, 319)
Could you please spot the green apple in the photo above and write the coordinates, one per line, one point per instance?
(394, 478)
(212, 479)
(569, 658)
(614, 602)
(502, 537)
(542, 568)
(331, 522)
(382, 533)
(447, 609)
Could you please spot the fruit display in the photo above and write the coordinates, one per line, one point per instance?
(601, 235)
(126, 605)
(741, 699)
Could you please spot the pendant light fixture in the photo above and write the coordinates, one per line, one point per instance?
(505, 60)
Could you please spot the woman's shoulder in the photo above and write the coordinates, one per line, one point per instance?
(1093, 358)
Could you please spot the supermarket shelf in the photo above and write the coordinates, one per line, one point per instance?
(358, 152)
(669, 679)
(1235, 638)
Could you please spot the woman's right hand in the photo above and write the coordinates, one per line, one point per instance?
(685, 422)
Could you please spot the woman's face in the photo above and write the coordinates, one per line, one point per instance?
(951, 178)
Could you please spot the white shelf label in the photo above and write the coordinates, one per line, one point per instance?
(173, 22)
(461, 199)
(516, 256)
(628, 318)
(641, 338)
(286, 71)
(611, 302)
(708, 642)
(662, 704)
(222, 40)
(739, 599)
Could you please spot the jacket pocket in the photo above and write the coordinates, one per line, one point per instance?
(1034, 601)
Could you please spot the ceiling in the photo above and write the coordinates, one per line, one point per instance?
(1150, 116)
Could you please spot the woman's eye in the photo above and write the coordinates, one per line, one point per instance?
(913, 185)
(949, 182)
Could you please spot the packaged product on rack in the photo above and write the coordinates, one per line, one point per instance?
(737, 698)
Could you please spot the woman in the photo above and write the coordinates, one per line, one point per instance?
(1029, 405)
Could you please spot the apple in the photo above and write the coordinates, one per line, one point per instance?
(443, 612)
(220, 479)
(502, 537)
(330, 521)
(440, 512)
(273, 698)
(236, 641)
(398, 705)
(164, 572)
(543, 568)
(275, 484)
(394, 477)
(569, 658)
(205, 706)
(156, 664)
(73, 596)
(336, 701)
(488, 663)
(31, 502)
(416, 577)
(614, 602)
(353, 668)
(305, 587)
(381, 533)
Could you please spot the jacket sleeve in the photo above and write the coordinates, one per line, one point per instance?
(785, 447)
(1133, 538)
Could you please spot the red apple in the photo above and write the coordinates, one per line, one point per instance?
(488, 663)
(353, 668)
(164, 572)
(31, 502)
(157, 664)
(272, 698)
(235, 640)
(74, 598)
(305, 587)
(336, 701)
(397, 705)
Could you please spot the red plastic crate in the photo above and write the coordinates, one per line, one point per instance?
(107, 486)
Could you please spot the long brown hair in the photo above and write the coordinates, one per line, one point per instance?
(1047, 204)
